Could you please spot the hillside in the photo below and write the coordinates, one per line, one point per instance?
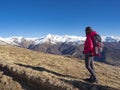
(110, 54)
(67, 45)
(23, 69)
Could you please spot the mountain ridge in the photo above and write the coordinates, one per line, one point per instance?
(53, 39)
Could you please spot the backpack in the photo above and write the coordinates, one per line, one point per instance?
(98, 45)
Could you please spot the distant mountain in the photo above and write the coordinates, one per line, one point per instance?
(71, 46)
(53, 39)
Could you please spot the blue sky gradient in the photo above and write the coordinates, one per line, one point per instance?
(36, 18)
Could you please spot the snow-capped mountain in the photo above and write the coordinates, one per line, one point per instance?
(53, 39)
(67, 45)
(18, 41)
(111, 39)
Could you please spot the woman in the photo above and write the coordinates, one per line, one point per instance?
(89, 54)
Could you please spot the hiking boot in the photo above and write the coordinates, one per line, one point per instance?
(92, 79)
(95, 81)
(89, 79)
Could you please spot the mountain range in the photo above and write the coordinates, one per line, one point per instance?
(53, 39)
(70, 46)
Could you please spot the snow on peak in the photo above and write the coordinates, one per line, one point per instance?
(15, 40)
(57, 38)
(111, 39)
(53, 39)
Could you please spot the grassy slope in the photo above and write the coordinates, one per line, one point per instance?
(58, 70)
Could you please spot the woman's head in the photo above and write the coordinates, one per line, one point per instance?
(88, 30)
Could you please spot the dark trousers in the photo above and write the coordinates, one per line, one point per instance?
(89, 65)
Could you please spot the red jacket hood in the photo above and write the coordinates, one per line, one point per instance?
(91, 34)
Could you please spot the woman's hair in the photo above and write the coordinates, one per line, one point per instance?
(88, 30)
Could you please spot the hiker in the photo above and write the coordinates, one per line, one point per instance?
(89, 54)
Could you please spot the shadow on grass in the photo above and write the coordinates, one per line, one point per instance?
(44, 69)
(87, 86)
(16, 78)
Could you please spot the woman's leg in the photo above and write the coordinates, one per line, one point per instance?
(89, 65)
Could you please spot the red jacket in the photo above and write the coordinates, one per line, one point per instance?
(88, 45)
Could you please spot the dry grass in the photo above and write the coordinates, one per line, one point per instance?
(58, 71)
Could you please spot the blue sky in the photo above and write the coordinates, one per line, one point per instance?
(36, 18)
